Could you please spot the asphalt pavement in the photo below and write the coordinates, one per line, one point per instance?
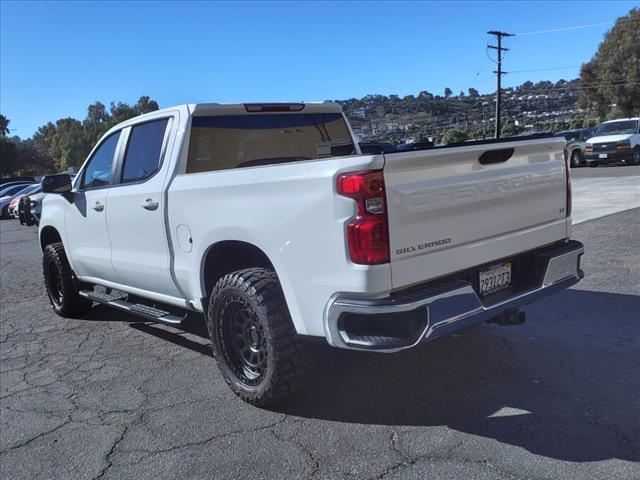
(107, 396)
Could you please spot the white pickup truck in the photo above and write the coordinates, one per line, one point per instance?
(269, 220)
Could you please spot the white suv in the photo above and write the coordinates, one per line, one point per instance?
(615, 141)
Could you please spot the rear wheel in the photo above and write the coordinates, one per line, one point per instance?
(60, 283)
(253, 339)
(576, 158)
(635, 157)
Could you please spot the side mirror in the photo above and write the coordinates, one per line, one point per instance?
(56, 183)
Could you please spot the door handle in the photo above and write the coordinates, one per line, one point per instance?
(149, 204)
(98, 206)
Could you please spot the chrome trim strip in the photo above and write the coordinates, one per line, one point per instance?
(458, 305)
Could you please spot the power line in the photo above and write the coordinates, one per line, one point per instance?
(581, 86)
(564, 29)
(545, 69)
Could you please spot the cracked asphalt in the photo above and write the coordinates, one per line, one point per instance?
(107, 396)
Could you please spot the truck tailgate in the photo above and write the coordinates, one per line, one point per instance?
(448, 212)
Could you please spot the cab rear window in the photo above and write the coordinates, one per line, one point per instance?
(239, 141)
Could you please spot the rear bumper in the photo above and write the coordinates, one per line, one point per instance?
(423, 313)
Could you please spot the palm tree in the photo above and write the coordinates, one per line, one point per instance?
(4, 126)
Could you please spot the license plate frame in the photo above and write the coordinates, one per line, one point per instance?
(603, 155)
(494, 278)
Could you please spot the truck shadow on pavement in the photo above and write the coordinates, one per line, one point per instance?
(564, 385)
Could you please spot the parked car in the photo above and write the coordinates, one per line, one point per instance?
(9, 181)
(31, 209)
(12, 210)
(615, 141)
(7, 194)
(376, 147)
(268, 219)
(421, 145)
(576, 143)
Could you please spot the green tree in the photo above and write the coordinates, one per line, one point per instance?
(69, 146)
(97, 122)
(8, 156)
(447, 92)
(65, 143)
(454, 135)
(119, 112)
(612, 76)
(511, 129)
(41, 148)
(577, 123)
(145, 105)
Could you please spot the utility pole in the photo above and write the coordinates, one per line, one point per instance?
(499, 72)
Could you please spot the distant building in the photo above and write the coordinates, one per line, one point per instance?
(358, 113)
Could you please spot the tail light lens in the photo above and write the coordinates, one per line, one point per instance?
(368, 232)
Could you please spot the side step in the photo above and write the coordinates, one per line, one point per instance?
(144, 311)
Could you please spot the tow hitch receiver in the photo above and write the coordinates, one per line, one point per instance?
(512, 316)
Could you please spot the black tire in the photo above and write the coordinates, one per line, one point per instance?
(594, 164)
(253, 338)
(59, 280)
(635, 157)
(576, 158)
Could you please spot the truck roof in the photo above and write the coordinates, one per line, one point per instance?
(201, 109)
(246, 108)
(264, 107)
(622, 119)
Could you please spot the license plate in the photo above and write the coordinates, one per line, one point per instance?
(602, 155)
(495, 278)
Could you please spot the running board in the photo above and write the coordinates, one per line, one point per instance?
(144, 311)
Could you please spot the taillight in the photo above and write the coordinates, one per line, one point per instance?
(368, 232)
(568, 186)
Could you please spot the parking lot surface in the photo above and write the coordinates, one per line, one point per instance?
(107, 396)
(604, 190)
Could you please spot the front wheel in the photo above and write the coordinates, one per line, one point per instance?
(635, 157)
(576, 159)
(60, 283)
(253, 338)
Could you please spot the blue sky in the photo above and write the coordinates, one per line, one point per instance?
(56, 57)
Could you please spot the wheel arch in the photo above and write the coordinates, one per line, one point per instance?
(49, 235)
(224, 255)
(228, 256)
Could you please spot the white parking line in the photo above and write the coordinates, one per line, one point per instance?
(597, 197)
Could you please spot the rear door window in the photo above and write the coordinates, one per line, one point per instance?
(239, 141)
(142, 158)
